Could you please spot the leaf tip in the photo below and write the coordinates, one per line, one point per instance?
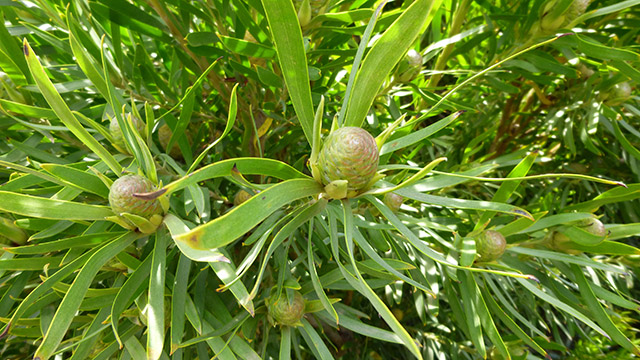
(620, 183)
(531, 277)
(25, 47)
(150, 195)
(565, 34)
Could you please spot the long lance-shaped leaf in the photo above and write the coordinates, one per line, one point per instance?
(287, 38)
(39, 207)
(243, 218)
(155, 317)
(231, 119)
(464, 204)
(427, 250)
(534, 177)
(177, 227)
(245, 166)
(131, 289)
(384, 54)
(72, 300)
(364, 43)
(315, 281)
(62, 110)
(43, 288)
(303, 214)
(507, 188)
(178, 301)
(598, 312)
(497, 311)
(562, 306)
(361, 285)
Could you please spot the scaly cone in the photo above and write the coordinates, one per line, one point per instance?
(349, 154)
(286, 312)
(122, 200)
(490, 245)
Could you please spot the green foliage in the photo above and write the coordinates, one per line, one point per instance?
(500, 218)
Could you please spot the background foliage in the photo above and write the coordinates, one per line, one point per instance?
(523, 119)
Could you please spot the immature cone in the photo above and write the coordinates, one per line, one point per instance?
(122, 200)
(393, 201)
(118, 136)
(620, 93)
(409, 67)
(349, 153)
(164, 135)
(561, 242)
(490, 245)
(240, 197)
(594, 226)
(308, 9)
(284, 312)
(550, 22)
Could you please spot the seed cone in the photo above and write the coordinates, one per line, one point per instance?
(409, 67)
(118, 136)
(164, 135)
(122, 200)
(490, 245)
(285, 313)
(349, 153)
(393, 201)
(240, 197)
(618, 94)
(594, 226)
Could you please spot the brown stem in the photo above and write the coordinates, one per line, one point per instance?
(456, 24)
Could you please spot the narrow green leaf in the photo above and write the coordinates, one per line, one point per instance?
(228, 227)
(384, 54)
(561, 305)
(226, 272)
(317, 286)
(70, 303)
(599, 313)
(178, 300)
(245, 166)
(315, 341)
(40, 207)
(287, 38)
(358, 282)
(62, 110)
(572, 259)
(155, 311)
(231, 119)
(509, 323)
(507, 188)
(285, 343)
(130, 290)
(84, 180)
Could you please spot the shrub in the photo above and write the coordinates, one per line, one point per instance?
(516, 120)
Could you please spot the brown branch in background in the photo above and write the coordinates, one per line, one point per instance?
(214, 79)
(504, 123)
(456, 24)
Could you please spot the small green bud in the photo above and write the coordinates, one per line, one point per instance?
(118, 136)
(304, 13)
(593, 226)
(240, 197)
(164, 136)
(393, 201)
(284, 311)
(409, 67)
(620, 93)
(490, 245)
